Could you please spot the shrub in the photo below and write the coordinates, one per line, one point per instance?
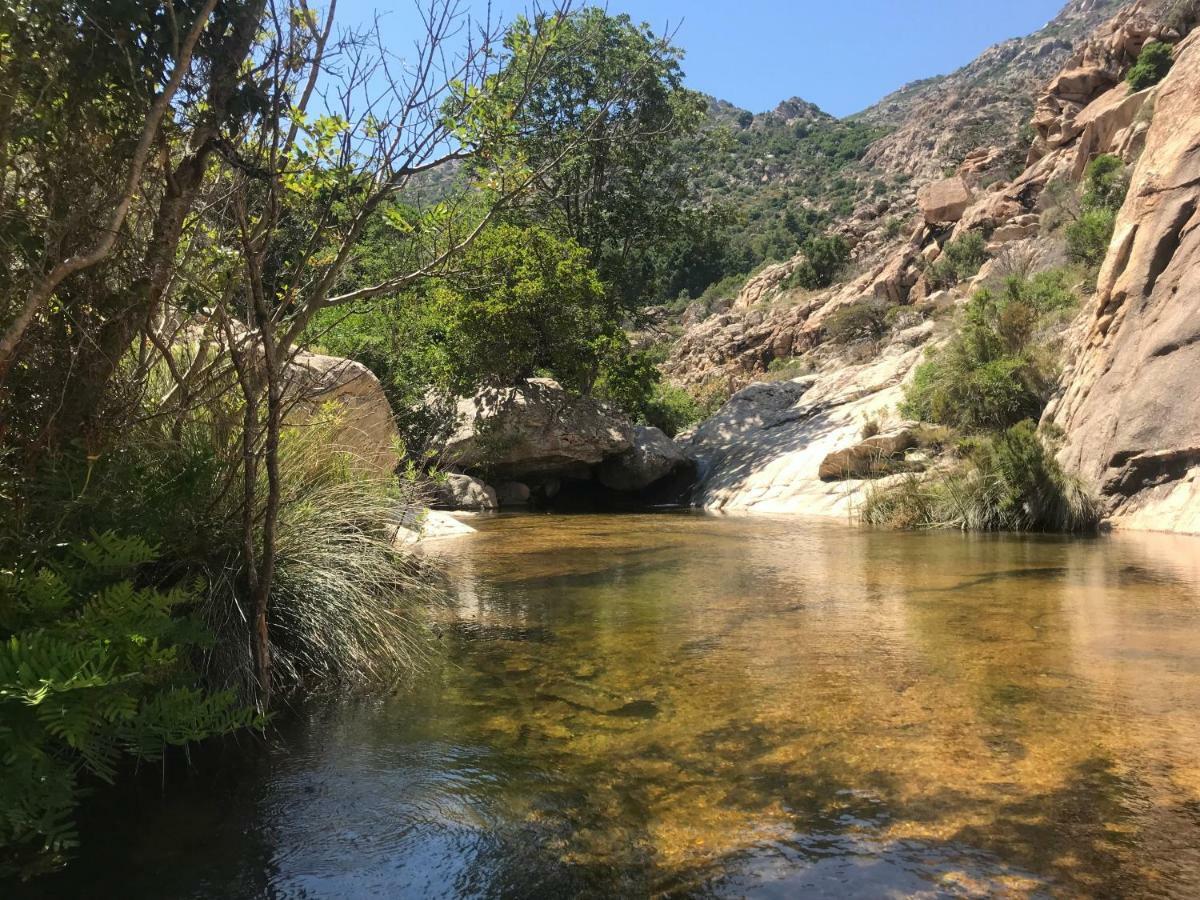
(824, 260)
(93, 670)
(632, 382)
(1089, 235)
(725, 289)
(1046, 292)
(865, 319)
(672, 409)
(992, 374)
(347, 606)
(1151, 67)
(1010, 483)
(785, 369)
(1105, 183)
(960, 259)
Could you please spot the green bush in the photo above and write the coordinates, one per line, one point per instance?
(824, 260)
(1151, 67)
(1045, 292)
(1105, 183)
(633, 383)
(1009, 483)
(726, 289)
(865, 319)
(1089, 235)
(347, 606)
(992, 373)
(960, 259)
(94, 670)
(671, 409)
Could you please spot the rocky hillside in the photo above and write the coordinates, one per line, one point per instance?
(796, 170)
(798, 441)
(936, 123)
(1131, 403)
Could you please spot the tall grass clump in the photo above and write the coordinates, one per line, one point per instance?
(347, 605)
(1008, 483)
(991, 382)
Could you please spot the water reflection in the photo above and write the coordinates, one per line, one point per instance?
(680, 705)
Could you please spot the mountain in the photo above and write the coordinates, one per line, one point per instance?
(934, 123)
(795, 171)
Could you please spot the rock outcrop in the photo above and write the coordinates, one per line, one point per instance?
(1131, 404)
(538, 440)
(535, 431)
(945, 200)
(764, 450)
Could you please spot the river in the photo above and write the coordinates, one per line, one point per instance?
(683, 705)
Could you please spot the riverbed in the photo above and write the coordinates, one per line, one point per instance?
(685, 705)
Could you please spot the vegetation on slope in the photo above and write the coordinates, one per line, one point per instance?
(989, 384)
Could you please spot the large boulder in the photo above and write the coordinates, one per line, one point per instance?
(362, 425)
(871, 457)
(652, 457)
(513, 493)
(462, 492)
(1131, 403)
(534, 432)
(945, 200)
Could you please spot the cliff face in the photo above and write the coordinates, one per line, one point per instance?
(1131, 404)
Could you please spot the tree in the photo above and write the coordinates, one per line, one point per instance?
(523, 301)
(824, 259)
(624, 192)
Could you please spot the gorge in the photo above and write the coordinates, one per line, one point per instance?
(519, 475)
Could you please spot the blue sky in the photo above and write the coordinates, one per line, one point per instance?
(842, 56)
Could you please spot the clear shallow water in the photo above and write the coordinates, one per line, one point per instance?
(689, 706)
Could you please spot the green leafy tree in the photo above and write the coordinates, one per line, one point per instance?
(524, 301)
(824, 260)
(603, 129)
